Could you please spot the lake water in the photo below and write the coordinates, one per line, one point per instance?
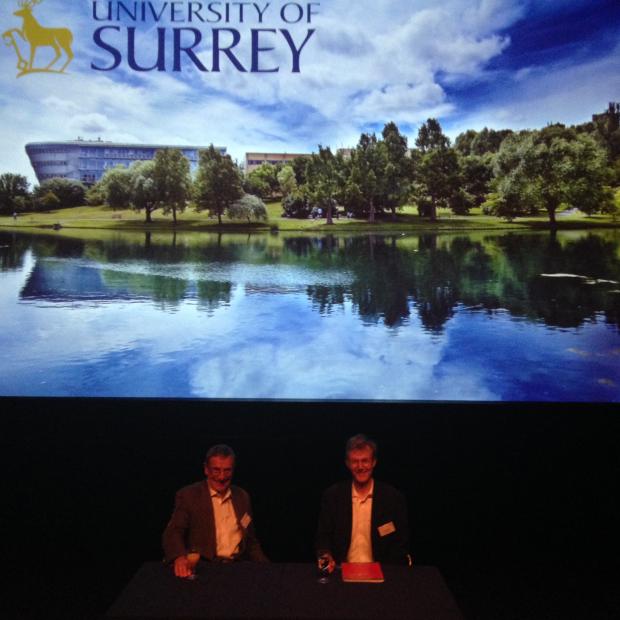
(484, 316)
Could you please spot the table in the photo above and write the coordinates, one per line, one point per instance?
(244, 590)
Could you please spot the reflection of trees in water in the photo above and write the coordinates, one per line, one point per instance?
(211, 294)
(497, 272)
(13, 250)
(309, 246)
(176, 249)
(391, 281)
(561, 301)
(58, 247)
(168, 292)
(447, 274)
(381, 290)
(391, 277)
(324, 298)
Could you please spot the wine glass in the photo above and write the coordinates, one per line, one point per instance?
(323, 568)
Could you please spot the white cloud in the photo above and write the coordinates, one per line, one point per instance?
(362, 363)
(403, 103)
(534, 97)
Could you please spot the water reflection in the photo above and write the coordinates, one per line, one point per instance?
(479, 316)
(385, 278)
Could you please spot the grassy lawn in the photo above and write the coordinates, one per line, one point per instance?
(407, 220)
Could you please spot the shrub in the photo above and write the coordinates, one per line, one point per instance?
(296, 205)
(70, 193)
(48, 201)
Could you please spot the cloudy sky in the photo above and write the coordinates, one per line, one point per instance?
(469, 63)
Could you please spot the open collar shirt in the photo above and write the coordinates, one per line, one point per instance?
(228, 534)
(360, 549)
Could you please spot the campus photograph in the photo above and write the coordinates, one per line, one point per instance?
(276, 226)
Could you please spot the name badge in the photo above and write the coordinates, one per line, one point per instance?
(387, 528)
(246, 519)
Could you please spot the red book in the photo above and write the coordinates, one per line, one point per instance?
(362, 572)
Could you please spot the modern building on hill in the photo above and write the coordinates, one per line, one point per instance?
(254, 160)
(87, 160)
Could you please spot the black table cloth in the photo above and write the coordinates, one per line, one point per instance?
(246, 590)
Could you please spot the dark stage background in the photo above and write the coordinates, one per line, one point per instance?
(516, 504)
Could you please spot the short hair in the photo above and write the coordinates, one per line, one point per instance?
(221, 449)
(359, 442)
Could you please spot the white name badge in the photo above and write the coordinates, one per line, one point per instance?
(246, 519)
(387, 528)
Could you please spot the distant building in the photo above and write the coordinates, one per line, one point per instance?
(345, 153)
(87, 160)
(611, 116)
(254, 160)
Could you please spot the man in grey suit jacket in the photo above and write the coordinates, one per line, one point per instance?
(212, 518)
(362, 520)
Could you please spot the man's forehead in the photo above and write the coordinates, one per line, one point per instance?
(223, 462)
(360, 453)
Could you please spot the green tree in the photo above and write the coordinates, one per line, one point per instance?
(548, 168)
(287, 180)
(12, 187)
(431, 137)
(95, 195)
(608, 129)
(353, 199)
(296, 205)
(48, 201)
(218, 183)
(479, 143)
(367, 168)
(322, 181)
(397, 174)
(299, 167)
(476, 176)
(172, 180)
(464, 141)
(70, 193)
(247, 207)
(437, 173)
(263, 181)
(439, 181)
(117, 185)
(144, 192)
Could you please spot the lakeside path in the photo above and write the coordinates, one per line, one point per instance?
(407, 220)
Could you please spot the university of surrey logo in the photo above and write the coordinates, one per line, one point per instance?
(34, 35)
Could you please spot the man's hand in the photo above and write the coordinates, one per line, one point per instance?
(181, 567)
(326, 557)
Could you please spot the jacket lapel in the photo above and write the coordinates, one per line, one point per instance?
(347, 504)
(240, 510)
(374, 515)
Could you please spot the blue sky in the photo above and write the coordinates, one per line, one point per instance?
(469, 63)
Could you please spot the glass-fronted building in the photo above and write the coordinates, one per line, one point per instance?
(87, 160)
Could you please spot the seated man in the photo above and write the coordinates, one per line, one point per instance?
(364, 520)
(212, 517)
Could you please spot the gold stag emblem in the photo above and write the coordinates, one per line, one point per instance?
(35, 35)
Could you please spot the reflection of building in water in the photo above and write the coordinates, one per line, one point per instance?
(62, 281)
(254, 160)
(87, 160)
(78, 281)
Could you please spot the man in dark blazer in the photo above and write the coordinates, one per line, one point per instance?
(212, 518)
(362, 520)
